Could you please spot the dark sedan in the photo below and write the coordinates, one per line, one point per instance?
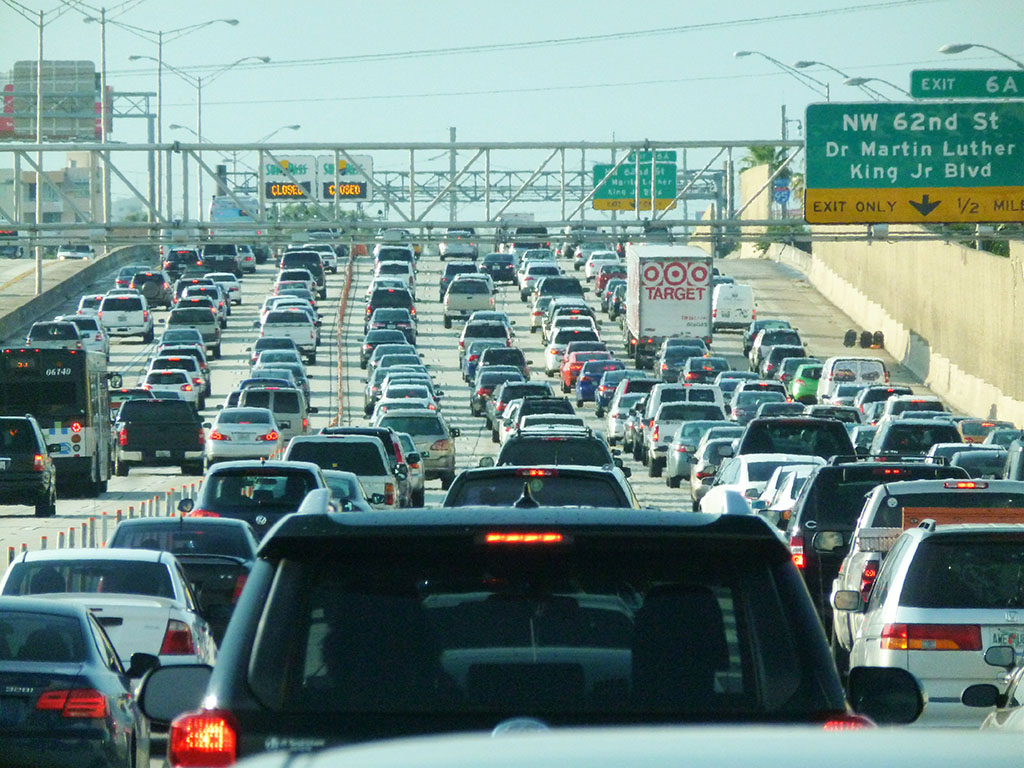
(65, 699)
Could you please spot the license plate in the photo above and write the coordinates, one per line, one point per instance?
(1010, 635)
(5, 463)
(122, 318)
(726, 312)
(163, 454)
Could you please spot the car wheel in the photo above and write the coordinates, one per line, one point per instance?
(311, 358)
(599, 412)
(637, 452)
(120, 468)
(494, 435)
(363, 364)
(216, 351)
(147, 337)
(447, 322)
(446, 480)
(417, 498)
(47, 506)
(672, 481)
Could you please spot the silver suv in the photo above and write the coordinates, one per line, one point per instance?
(126, 316)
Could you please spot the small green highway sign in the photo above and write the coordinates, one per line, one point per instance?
(619, 191)
(967, 84)
(915, 162)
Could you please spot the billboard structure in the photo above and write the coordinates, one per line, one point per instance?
(71, 102)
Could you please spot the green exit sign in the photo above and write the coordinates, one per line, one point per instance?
(967, 84)
(619, 191)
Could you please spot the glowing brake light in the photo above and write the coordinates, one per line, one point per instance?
(523, 538)
(215, 435)
(848, 723)
(796, 551)
(535, 472)
(77, 702)
(270, 437)
(203, 738)
(964, 485)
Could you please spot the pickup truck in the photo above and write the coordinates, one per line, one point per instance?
(158, 433)
(466, 295)
(459, 243)
(292, 324)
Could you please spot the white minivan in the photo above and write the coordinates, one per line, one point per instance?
(732, 306)
(850, 370)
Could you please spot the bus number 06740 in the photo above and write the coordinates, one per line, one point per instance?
(58, 371)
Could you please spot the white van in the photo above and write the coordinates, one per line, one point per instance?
(850, 370)
(732, 306)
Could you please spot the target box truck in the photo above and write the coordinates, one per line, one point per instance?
(668, 294)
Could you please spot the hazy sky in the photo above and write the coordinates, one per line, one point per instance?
(672, 76)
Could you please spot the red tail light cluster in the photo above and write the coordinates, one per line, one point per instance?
(867, 578)
(931, 637)
(122, 436)
(178, 640)
(76, 702)
(796, 551)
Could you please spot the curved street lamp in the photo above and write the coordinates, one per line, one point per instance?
(961, 47)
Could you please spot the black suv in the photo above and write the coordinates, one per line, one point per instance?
(310, 260)
(500, 266)
(361, 626)
(218, 257)
(553, 446)
(27, 473)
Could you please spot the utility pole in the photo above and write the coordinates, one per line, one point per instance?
(39, 159)
(452, 204)
(103, 118)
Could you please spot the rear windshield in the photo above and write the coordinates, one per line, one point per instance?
(279, 401)
(526, 389)
(486, 331)
(824, 439)
(589, 452)
(286, 317)
(29, 636)
(420, 629)
(917, 505)
(468, 286)
(124, 577)
(573, 334)
(415, 425)
(219, 250)
(690, 410)
(169, 364)
(180, 538)
(389, 297)
(244, 416)
(190, 316)
(17, 435)
(248, 490)
(918, 438)
(122, 304)
(500, 355)
(59, 331)
(358, 456)
(164, 412)
(966, 572)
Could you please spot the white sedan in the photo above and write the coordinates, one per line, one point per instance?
(242, 433)
(172, 383)
(140, 596)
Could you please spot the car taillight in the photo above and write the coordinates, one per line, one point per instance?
(145, 315)
(931, 637)
(203, 513)
(197, 381)
(99, 313)
(753, 314)
(186, 387)
(848, 722)
(122, 436)
(483, 391)
(270, 437)
(177, 640)
(203, 739)
(99, 337)
(545, 537)
(215, 435)
(655, 434)
(239, 586)
(664, 367)
(37, 463)
(680, 448)
(867, 578)
(796, 551)
(76, 702)
(389, 493)
(963, 485)
(714, 313)
(305, 423)
(441, 445)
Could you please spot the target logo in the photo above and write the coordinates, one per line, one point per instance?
(674, 274)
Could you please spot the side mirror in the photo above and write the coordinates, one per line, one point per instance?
(758, 505)
(256, 324)
(486, 461)
(627, 472)
(888, 695)
(169, 691)
(161, 321)
(618, 462)
(115, 380)
(413, 458)
(724, 452)
(141, 663)
(55, 449)
(1001, 656)
(186, 505)
(529, 362)
(982, 695)
(313, 409)
(454, 431)
(849, 600)
(207, 424)
(827, 541)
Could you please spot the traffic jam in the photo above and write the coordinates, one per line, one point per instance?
(497, 483)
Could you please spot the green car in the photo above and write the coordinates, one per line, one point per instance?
(803, 387)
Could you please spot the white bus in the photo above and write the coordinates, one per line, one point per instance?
(224, 209)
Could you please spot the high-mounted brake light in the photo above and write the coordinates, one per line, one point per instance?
(535, 472)
(964, 485)
(523, 538)
(848, 723)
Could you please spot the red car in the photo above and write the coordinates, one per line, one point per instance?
(606, 273)
(572, 363)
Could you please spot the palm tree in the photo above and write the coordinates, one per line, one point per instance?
(773, 157)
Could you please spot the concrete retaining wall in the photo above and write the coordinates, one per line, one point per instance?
(950, 314)
(73, 286)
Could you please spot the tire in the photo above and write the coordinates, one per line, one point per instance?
(637, 451)
(599, 412)
(672, 481)
(565, 389)
(447, 322)
(192, 468)
(311, 359)
(841, 656)
(47, 507)
(417, 498)
(446, 480)
(363, 364)
(148, 336)
(121, 468)
(494, 435)
(201, 404)
(216, 351)
(579, 403)
(533, 329)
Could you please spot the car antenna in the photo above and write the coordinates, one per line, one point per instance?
(526, 501)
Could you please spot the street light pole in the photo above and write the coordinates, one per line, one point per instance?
(39, 160)
(803, 77)
(199, 151)
(159, 120)
(862, 80)
(804, 64)
(961, 47)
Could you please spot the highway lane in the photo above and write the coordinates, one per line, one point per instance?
(780, 292)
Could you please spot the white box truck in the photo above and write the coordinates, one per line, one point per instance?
(668, 293)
